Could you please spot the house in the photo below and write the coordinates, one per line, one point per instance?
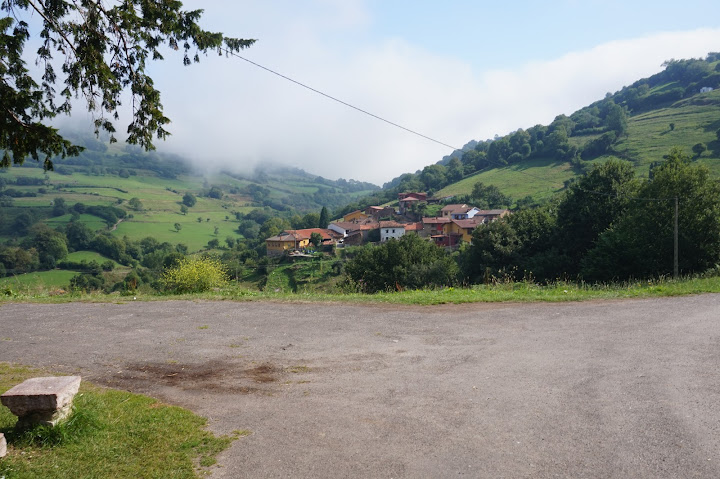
(295, 240)
(378, 212)
(706, 89)
(354, 233)
(356, 216)
(461, 230)
(419, 196)
(464, 213)
(448, 210)
(492, 215)
(407, 200)
(433, 226)
(391, 229)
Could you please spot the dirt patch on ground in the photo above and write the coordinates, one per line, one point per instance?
(217, 375)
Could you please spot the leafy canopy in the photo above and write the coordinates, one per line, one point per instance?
(103, 51)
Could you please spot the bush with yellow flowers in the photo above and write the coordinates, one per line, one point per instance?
(194, 275)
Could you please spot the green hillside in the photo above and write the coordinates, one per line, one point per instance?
(649, 137)
(107, 179)
(679, 106)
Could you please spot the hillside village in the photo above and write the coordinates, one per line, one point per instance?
(453, 225)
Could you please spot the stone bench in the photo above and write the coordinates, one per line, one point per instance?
(45, 401)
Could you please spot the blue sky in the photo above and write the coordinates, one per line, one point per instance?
(455, 71)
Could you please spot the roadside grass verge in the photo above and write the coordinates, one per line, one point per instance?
(559, 291)
(110, 434)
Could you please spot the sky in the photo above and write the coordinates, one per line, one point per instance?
(454, 71)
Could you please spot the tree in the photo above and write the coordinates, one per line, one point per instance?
(455, 170)
(641, 243)
(178, 227)
(216, 231)
(316, 239)
(672, 126)
(493, 252)
(699, 149)
(135, 204)
(591, 205)
(215, 192)
(324, 218)
(489, 196)
(617, 119)
(410, 262)
(189, 200)
(50, 244)
(104, 50)
(59, 207)
(79, 236)
(183, 209)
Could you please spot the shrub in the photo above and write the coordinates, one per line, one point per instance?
(194, 275)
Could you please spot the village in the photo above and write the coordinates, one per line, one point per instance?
(453, 225)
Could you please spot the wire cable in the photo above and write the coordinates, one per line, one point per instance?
(349, 105)
(377, 117)
(228, 52)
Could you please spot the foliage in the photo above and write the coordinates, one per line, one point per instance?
(641, 243)
(189, 200)
(591, 205)
(408, 263)
(315, 239)
(194, 275)
(489, 197)
(105, 50)
(699, 149)
(324, 218)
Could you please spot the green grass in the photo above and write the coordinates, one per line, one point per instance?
(39, 281)
(92, 222)
(499, 292)
(540, 178)
(110, 434)
(88, 256)
(696, 120)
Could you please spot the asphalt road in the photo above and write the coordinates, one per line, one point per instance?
(582, 390)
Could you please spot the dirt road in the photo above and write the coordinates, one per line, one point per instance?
(601, 389)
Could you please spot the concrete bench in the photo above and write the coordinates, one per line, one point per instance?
(44, 401)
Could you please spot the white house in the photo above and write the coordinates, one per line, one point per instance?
(391, 229)
(706, 89)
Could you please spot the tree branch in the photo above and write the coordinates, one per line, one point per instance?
(41, 12)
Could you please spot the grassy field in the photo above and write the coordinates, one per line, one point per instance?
(539, 178)
(110, 434)
(281, 287)
(40, 281)
(696, 120)
(88, 256)
(161, 200)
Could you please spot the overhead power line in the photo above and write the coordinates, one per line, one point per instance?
(409, 130)
(340, 101)
(377, 117)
